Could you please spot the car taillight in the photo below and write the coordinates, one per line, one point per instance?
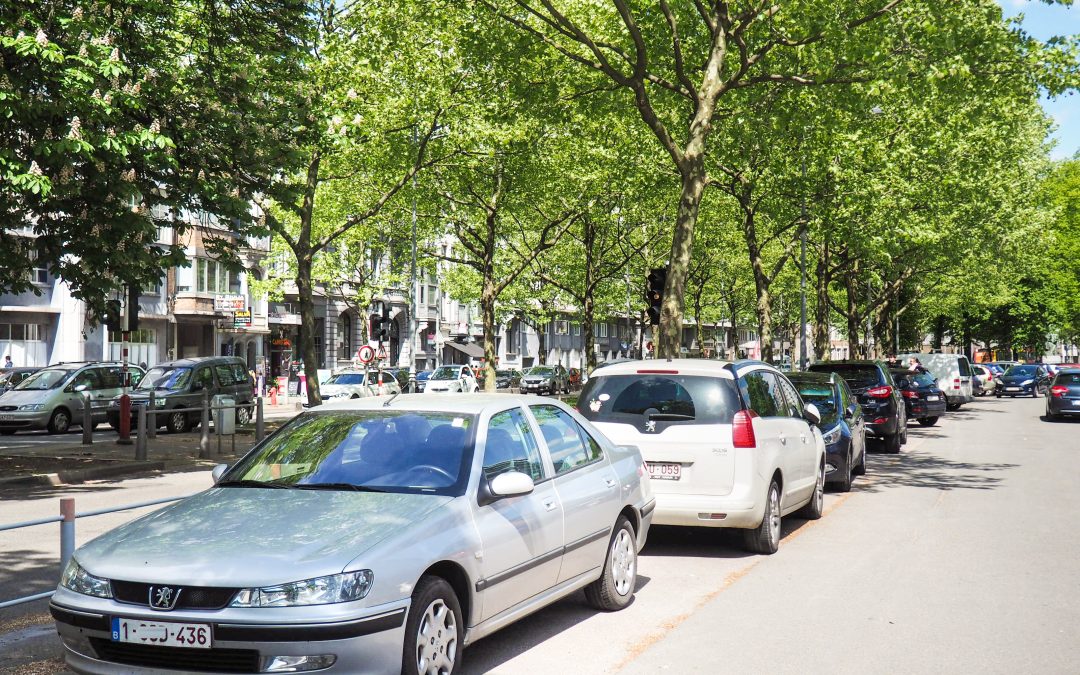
(910, 394)
(956, 383)
(880, 392)
(1059, 390)
(742, 429)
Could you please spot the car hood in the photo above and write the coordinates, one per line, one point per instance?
(246, 537)
(26, 396)
(1016, 379)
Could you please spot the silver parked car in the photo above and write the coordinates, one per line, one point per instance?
(52, 398)
(368, 536)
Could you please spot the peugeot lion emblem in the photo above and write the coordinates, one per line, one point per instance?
(164, 597)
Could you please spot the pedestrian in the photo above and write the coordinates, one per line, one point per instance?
(892, 362)
(916, 366)
(7, 362)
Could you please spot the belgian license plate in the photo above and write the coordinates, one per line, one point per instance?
(665, 470)
(1012, 388)
(1076, 401)
(6, 418)
(162, 634)
(932, 398)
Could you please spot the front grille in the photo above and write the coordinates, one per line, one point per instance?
(191, 597)
(178, 658)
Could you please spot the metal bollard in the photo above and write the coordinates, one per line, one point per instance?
(260, 422)
(67, 531)
(204, 427)
(140, 436)
(87, 420)
(151, 417)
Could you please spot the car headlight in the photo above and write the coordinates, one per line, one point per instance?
(832, 436)
(75, 578)
(1026, 383)
(345, 587)
(997, 380)
(32, 407)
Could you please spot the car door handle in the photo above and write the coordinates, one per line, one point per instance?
(802, 437)
(610, 482)
(549, 504)
(783, 439)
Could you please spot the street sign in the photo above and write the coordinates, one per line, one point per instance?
(365, 354)
(382, 353)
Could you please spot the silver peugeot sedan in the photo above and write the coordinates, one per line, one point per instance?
(367, 536)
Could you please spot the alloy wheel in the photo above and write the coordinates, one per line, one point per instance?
(437, 640)
(774, 516)
(623, 562)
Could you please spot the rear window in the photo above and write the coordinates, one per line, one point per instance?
(1067, 378)
(858, 376)
(668, 399)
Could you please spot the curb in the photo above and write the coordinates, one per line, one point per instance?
(81, 475)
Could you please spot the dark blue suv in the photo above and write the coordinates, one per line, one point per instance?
(881, 401)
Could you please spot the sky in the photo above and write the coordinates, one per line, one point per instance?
(1043, 21)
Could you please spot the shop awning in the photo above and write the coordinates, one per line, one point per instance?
(470, 350)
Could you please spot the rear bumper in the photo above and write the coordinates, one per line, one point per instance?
(699, 510)
(1063, 406)
(926, 409)
(888, 428)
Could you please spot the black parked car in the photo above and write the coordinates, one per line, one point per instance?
(507, 378)
(882, 404)
(924, 400)
(1026, 379)
(1064, 397)
(841, 425)
(9, 377)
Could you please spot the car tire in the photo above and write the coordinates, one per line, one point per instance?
(892, 444)
(860, 470)
(816, 506)
(952, 406)
(243, 415)
(928, 421)
(903, 434)
(60, 421)
(177, 422)
(765, 538)
(1034, 392)
(844, 485)
(614, 590)
(434, 631)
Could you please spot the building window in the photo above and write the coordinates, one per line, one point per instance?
(141, 336)
(29, 332)
(562, 327)
(577, 329)
(346, 330)
(601, 330)
(212, 277)
(39, 273)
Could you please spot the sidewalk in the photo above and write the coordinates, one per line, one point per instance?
(68, 463)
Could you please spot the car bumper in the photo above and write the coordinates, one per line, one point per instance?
(887, 428)
(369, 644)
(1015, 390)
(836, 457)
(738, 510)
(926, 409)
(537, 388)
(1063, 406)
(26, 420)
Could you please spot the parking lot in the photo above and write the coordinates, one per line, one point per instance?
(953, 556)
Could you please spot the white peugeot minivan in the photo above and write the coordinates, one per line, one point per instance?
(726, 444)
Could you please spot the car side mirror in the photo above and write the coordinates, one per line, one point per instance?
(850, 412)
(811, 414)
(78, 387)
(511, 484)
(218, 472)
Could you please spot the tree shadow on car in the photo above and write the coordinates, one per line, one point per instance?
(928, 471)
(491, 653)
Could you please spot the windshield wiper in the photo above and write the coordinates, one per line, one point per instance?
(252, 484)
(336, 486)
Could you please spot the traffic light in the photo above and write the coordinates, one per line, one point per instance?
(380, 322)
(654, 293)
(112, 316)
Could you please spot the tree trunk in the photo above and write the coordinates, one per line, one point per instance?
(589, 304)
(734, 326)
(761, 282)
(587, 332)
(669, 342)
(822, 346)
(487, 312)
(852, 316)
(307, 328)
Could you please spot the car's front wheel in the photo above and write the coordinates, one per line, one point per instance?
(892, 444)
(765, 538)
(844, 484)
(434, 630)
(816, 506)
(60, 421)
(615, 587)
(177, 422)
(243, 414)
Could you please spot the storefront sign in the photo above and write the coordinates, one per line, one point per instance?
(230, 304)
(242, 319)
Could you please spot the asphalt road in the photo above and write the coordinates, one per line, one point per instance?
(954, 556)
(30, 440)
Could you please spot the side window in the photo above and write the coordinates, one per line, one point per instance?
(205, 377)
(510, 446)
(965, 367)
(565, 439)
(87, 379)
(763, 392)
(225, 374)
(239, 373)
(794, 401)
(108, 378)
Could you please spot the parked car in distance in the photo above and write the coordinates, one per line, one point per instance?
(1064, 397)
(180, 384)
(726, 444)
(9, 377)
(358, 384)
(1026, 379)
(923, 399)
(337, 545)
(507, 378)
(882, 403)
(982, 380)
(842, 427)
(421, 379)
(52, 398)
(953, 373)
(399, 374)
(546, 380)
(451, 379)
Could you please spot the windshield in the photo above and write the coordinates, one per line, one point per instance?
(1018, 371)
(386, 451)
(165, 377)
(45, 379)
(542, 372)
(446, 373)
(346, 378)
(504, 373)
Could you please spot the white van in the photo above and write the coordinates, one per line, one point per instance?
(953, 373)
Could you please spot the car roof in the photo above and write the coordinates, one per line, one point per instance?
(807, 376)
(707, 367)
(846, 362)
(465, 404)
(197, 360)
